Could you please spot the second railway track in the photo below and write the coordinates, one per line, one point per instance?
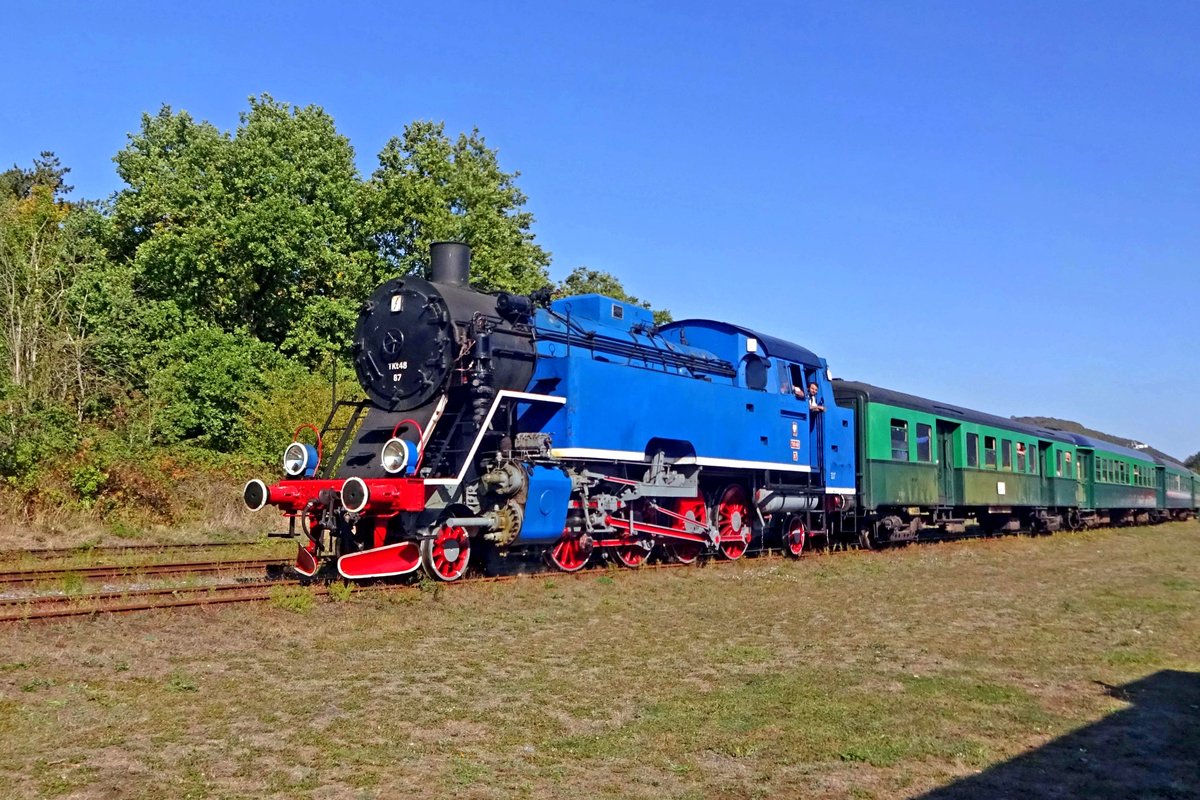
(125, 571)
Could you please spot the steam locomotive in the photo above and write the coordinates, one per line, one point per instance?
(512, 426)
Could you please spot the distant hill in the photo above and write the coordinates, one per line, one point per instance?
(1074, 427)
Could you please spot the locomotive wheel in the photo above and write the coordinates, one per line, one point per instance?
(570, 553)
(733, 522)
(795, 539)
(682, 551)
(446, 555)
(630, 555)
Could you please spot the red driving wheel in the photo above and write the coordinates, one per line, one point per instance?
(570, 553)
(681, 550)
(446, 555)
(733, 521)
(795, 539)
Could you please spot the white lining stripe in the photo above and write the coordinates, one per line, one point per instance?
(433, 421)
(591, 452)
(704, 461)
(503, 394)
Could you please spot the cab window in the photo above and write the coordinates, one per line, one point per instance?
(797, 376)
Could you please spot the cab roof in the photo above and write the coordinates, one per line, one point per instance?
(772, 345)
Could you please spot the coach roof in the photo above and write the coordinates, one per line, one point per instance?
(880, 395)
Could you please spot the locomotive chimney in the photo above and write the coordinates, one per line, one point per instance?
(450, 262)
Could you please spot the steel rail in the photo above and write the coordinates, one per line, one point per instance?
(121, 594)
(47, 553)
(24, 577)
(208, 596)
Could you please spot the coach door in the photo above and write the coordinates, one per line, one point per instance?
(1045, 461)
(1087, 486)
(945, 444)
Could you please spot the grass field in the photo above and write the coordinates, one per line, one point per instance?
(1050, 667)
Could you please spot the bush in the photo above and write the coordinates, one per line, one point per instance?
(34, 441)
(87, 480)
(203, 384)
(289, 399)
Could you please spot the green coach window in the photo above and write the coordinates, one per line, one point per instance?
(1020, 456)
(900, 440)
(1006, 454)
(924, 442)
(989, 452)
(972, 449)
(1058, 463)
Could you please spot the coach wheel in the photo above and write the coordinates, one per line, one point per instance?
(446, 555)
(733, 522)
(868, 539)
(795, 538)
(570, 553)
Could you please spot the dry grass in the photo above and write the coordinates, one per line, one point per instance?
(864, 676)
(201, 508)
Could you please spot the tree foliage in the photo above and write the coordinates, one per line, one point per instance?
(45, 244)
(1193, 462)
(246, 230)
(47, 173)
(591, 281)
(428, 189)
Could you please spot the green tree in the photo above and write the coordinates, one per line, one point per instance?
(47, 171)
(1193, 462)
(248, 230)
(429, 189)
(45, 244)
(592, 281)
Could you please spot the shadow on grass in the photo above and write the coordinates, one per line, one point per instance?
(1150, 750)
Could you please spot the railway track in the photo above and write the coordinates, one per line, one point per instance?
(48, 553)
(27, 577)
(62, 606)
(52, 607)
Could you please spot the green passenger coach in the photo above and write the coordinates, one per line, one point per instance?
(928, 465)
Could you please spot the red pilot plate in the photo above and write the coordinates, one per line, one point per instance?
(305, 564)
(392, 559)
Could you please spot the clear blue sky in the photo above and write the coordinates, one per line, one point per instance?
(994, 204)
